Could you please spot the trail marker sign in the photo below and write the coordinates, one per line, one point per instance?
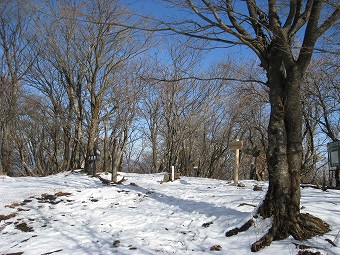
(333, 149)
(236, 145)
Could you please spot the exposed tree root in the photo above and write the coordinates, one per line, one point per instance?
(308, 226)
(243, 204)
(121, 181)
(108, 182)
(266, 240)
(244, 227)
(305, 227)
(103, 180)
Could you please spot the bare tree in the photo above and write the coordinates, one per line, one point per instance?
(323, 90)
(170, 106)
(124, 96)
(109, 48)
(81, 56)
(59, 74)
(269, 30)
(15, 62)
(35, 137)
(321, 105)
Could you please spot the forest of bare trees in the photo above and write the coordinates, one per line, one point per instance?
(82, 77)
(283, 35)
(74, 79)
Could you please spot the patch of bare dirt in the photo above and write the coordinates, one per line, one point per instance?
(8, 216)
(23, 227)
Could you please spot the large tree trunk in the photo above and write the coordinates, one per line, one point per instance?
(282, 201)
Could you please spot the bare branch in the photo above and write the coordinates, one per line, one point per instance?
(293, 10)
(204, 79)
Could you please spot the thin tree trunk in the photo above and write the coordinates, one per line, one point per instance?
(79, 128)
(1, 169)
(77, 150)
(117, 153)
(90, 146)
(155, 165)
(6, 150)
(115, 160)
(106, 152)
(67, 150)
(93, 133)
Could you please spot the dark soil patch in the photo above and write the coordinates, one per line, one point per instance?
(216, 247)
(24, 227)
(20, 209)
(258, 188)
(26, 201)
(306, 252)
(116, 243)
(8, 216)
(49, 198)
(207, 224)
(46, 198)
(62, 194)
(13, 205)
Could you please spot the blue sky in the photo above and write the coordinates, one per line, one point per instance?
(239, 53)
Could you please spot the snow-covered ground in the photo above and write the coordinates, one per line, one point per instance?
(144, 217)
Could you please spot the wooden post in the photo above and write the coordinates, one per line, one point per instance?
(237, 146)
(172, 173)
(237, 165)
(337, 177)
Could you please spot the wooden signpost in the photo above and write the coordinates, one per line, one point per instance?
(237, 146)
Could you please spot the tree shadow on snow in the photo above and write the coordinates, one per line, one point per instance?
(190, 206)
